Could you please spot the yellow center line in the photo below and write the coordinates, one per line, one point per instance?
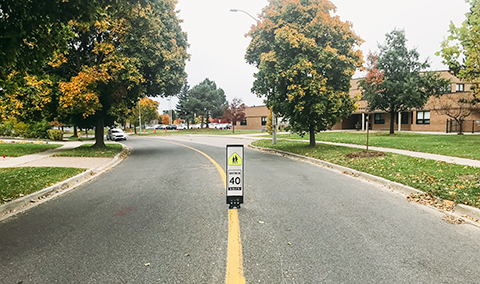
(234, 257)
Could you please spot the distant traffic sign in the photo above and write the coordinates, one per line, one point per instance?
(235, 166)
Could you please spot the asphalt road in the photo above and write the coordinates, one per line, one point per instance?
(160, 217)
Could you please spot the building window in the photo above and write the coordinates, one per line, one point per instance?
(379, 118)
(264, 120)
(423, 117)
(244, 121)
(460, 88)
(404, 118)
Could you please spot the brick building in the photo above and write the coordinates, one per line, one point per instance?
(255, 118)
(425, 119)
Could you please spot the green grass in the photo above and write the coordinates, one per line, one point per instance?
(205, 131)
(86, 150)
(457, 183)
(17, 182)
(464, 146)
(18, 149)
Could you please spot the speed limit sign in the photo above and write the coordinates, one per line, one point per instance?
(235, 166)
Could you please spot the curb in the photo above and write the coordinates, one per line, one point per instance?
(471, 214)
(24, 203)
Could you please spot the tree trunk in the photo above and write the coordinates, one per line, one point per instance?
(75, 132)
(99, 133)
(312, 136)
(233, 127)
(135, 128)
(460, 125)
(392, 122)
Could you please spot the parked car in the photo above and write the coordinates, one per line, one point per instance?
(223, 126)
(181, 126)
(171, 127)
(115, 134)
(161, 126)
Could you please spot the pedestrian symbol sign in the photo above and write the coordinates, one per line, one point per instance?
(235, 160)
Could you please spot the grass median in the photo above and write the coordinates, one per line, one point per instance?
(464, 146)
(86, 150)
(18, 182)
(457, 183)
(20, 149)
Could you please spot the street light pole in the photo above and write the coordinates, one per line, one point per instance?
(238, 10)
(169, 111)
(274, 119)
(274, 124)
(139, 116)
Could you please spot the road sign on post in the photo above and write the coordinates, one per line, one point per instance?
(235, 166)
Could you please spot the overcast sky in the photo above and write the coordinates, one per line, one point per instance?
(218, 43)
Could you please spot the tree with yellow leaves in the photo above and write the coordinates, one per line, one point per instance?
(306, 58)
(166, 119)
(148, 111)
(129, 50)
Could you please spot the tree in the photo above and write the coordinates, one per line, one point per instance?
(207, 100)
(395, 83)
(148, 111)
(186, 108)
(460, 51)
(32, 31)
(235, 112)
(455, 106)
(26, 97)
(129, 50)
(165, 119)
(306, 58)
(33, 34)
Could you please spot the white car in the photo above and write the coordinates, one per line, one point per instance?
(116, 134)
(181, 126)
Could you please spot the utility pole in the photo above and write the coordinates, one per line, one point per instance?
(274, 125)
(139, 116)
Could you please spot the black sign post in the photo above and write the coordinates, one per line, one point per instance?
(235, 166)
